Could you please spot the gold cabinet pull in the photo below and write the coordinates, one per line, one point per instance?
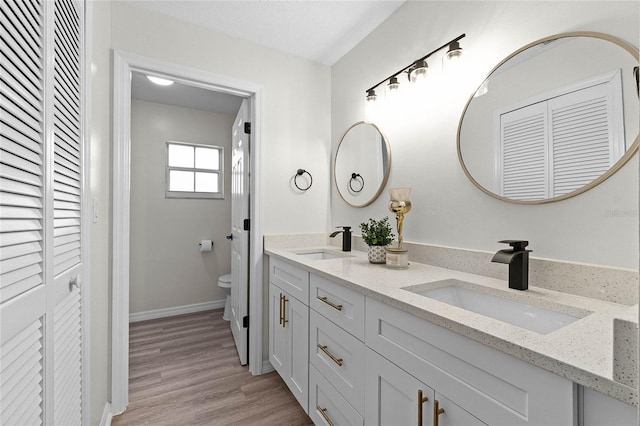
(330, 303)
(281, 309)
(324, 414)
(436, 411)
(284, 311)
(324, 349)
(421, 400)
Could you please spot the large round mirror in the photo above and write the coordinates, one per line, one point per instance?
(362, 163)
(552, 120)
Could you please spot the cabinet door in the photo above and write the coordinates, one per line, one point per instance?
(277, 333)
(449, 414)
(599, 409)
(391, 395)
(289, 342)
(296, 322)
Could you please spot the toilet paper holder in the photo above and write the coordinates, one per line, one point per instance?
(206, 245)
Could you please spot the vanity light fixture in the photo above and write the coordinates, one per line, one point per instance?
(160, 81)
(418, 69)
(393, 84)
(455, 51)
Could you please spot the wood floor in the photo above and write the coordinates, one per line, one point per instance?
(184, 370)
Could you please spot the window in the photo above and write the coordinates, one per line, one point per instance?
(194, 171)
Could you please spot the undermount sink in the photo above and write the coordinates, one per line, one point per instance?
(534, 318)
(322, 254)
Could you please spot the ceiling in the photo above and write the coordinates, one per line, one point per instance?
(317, 30)
(183, 95)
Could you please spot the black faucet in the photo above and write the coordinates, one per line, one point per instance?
(346, 237)
(518, 260)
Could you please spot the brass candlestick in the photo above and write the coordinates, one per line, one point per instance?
(400, 205)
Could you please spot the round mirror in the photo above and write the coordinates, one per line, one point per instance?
(552, 120)
(362, 163)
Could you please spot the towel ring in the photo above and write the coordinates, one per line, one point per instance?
(301, 172)
(354, 177)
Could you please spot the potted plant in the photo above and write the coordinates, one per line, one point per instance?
(377, 235)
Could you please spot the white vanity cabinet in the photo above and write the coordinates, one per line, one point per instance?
(289, 327)
(493, 387)
(598, 409)
(395, 397)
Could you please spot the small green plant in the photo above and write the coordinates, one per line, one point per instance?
(377, 232)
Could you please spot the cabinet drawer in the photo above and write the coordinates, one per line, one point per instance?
(496, 388)
(289, 278)
(339, 304)
(338, 356)
(322, 396)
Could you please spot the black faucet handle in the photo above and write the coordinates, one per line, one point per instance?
(346, 228)
(518, 245)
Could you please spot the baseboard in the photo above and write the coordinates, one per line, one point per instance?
(177, 310)
(106, 415)
(267, 367)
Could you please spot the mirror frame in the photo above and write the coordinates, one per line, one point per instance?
(621, 162)
(387, 166)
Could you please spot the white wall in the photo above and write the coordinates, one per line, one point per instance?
(166, 267)
(597, 227)
(100, 146)
(296, 131)
(296, 134)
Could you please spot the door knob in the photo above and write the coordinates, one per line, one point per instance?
(73, 282)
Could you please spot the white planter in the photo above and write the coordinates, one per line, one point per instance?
(377, 254)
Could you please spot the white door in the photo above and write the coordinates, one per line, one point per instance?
(240, 230)
(64, 234)
(40, 213)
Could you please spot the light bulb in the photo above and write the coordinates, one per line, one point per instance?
(393, 85)
(454, 53)
(371, 96)
(418, 71)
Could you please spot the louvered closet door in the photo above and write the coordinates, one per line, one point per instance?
(582, 130)
(22, 283)
(66, 232)
(40, 213)
(522, 171)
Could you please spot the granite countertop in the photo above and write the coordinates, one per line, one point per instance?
(581, 351)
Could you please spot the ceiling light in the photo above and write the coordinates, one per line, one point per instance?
(160, 81)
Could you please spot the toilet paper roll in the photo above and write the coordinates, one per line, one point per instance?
(206, 245)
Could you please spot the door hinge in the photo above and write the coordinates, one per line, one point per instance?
(246, 225)
(245, 321)
(247, 128)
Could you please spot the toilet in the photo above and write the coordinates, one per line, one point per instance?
(225, 282)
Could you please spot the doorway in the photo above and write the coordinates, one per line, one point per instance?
(124, 64)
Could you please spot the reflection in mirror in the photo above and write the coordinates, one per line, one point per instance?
(552, 120)
(362, 163)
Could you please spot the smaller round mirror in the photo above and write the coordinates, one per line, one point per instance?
(362, 164)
